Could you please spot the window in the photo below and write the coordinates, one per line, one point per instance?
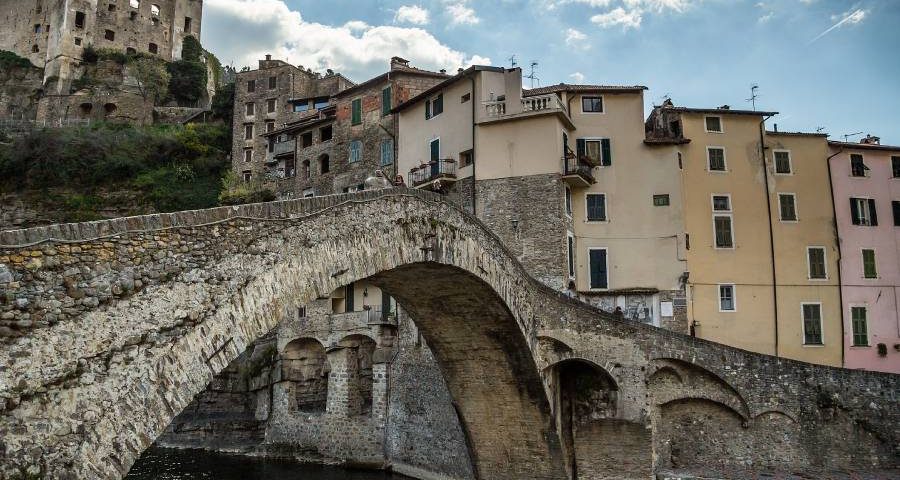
(187, 24)
(270, 127)
(895, 166)
(305, 169)
(356, 111)
(324, 164)
(812, 323)
(111, 7)
(596, 207)
(895, 205)
(130, 51)
(570, 254)
(568, 201)
(723, 231)
(309, 193)
(386, 101)
(79, 20)
(135, 3)
(815, 258)
(595, 151)
(860, 326)
(721, 203)
(783, 162)
(153, 48)
(325, 133)
(868, 260)
(273, 83)
(320, 103)
(387, 152)
(787, 207)
(713, 124)
(37, 28)
(270, 105)
(857, 167)
(77, 41)
(247, 175)
(248, 154)
(251, 86)
(661, 200)
(434, 106)
(248, 132)
(154, 10)
(301, 107)
(35, 49)
(862, 212)
(465, 98)
(726, 298)
(592, 104)
(716, 158)
(306, 140)
(250, 109)
(290, 168)
(355, 151)
(109, 35)
(466, 158)
(435, 149)
(598, 268)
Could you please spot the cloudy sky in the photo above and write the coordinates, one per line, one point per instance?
(830, 64)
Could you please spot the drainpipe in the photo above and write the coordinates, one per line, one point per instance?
(474, 157)
(762, 151)
(838, 238)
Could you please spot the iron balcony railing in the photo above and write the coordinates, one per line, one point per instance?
(572, 166)
(373, 314)
(433, 170)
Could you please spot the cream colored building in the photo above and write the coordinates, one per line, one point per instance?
(563, 176)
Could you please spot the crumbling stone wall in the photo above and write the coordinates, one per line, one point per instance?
(213, 281)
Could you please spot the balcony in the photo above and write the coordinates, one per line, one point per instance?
(367, 316)
(281, 149)
(502, 109)
(576, 173)
(428, 174)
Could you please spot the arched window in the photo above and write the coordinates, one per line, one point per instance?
(324, 166)
(304, 365)
(109, 109)
(359, 368)
(131, 51)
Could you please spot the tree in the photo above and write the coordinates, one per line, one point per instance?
(223, 103)
(187, 82)
(191, 50)
(152, 78)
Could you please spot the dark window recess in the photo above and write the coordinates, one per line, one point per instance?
(324, 164)
(273, 83)
(251, 86)
(592, 104)
(109, 35)
(812, 324)
(77, 41)
(111, 7)
(465, 98)
(661, 200)
(187, 24)
(320, 103)
(713, 124)
(37, 28)
(79, 20)
(325, 133)
(895, 166)
(356, 112)
(862, 212)
(153, 48)
(306, 140)
(816, 258)
(896, 207)
(348, 298)
(857, 167)
(596, 207)
(131, 51)
(716, 159)
(270, 105)
(35, 49)
(599, 272)
(467, 158)
(570, 255)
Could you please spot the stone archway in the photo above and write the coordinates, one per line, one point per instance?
(304, 365)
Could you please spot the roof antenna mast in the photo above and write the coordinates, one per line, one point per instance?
(753, 95)
(512, 61)
(532, 76)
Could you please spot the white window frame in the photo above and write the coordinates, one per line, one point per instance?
(862, 263)
(852, 333)
(775, 162)
(567, 202)
(821, 325)
(250, 109)
(602, 102)
(796, 210)
(733, 236)
(571, 266)
(724, 159)
(246, 152)
(867, 217)
(721, 124)
(309, 193)
(590, 277)
(824, 260)
(712, 203)
(600, 141)
(605, 207)
(733, 297)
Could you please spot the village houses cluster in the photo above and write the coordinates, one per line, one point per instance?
(705, 221)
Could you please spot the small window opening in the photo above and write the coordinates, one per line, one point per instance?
(154, 10)
(110, 108)
(79, 19)
(154, 49)
(187, 24)
(109, 35)
(325, 133)
(111, 7)
(35, 49)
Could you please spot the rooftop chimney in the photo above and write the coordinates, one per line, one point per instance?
(268, 57)
(776, 128)
(459, 70)
(871, 140)
(443, 70)
(399, 62)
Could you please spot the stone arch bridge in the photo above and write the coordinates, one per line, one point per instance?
(110, 328)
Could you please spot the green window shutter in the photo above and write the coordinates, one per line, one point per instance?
(872, 213)
(386, 101)
(598, 269)
(435, 150)
(854, 212)
(356, 112)
(427, 109)
(580, 147)
(606, 148)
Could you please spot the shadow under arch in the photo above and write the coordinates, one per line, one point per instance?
(305, 365)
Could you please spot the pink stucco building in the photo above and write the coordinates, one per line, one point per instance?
(865, 180)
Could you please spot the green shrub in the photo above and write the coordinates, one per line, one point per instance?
(89, 54)
(191, 51)
(235, 191)
(223, 103)
(187, 82)
(117, 56)
(9, 60)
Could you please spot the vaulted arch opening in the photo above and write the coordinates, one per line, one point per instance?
(305, 367)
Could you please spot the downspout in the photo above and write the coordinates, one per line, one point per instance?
(474, 157)
(762, 151)
(839, 259)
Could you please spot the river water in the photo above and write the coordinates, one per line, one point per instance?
(171, 464)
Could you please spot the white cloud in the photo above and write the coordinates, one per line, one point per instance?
(618, 16)
(766, 17)
(355, 49)
(659, 6)
(413, 14)
(577, 77)
(462, 14)
(850, 17)
(551, 4)
(575, 38)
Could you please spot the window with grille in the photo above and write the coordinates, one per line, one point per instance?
(721, 203)
(816, 260)
(661, 200)
(716, 159)
(812, 324)
(860, 326)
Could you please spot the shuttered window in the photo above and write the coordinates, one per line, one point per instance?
(599, 271)
(723, 232)
(860, 326)
(435, 148)
(870, 269)
(386, 101)
(716, 159)
(355, 151)
(816, 260)
(356, 112)
(787, 206)
(862, 212)
(783, 162)
(596, 207)
(594, 151)
(812, 324)
(387, 152)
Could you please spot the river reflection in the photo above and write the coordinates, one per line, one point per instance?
(171, 464)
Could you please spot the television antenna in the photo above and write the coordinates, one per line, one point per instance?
(532, 76)
(848, 135)
(512, 61)
(753, 96)
(819, 129)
